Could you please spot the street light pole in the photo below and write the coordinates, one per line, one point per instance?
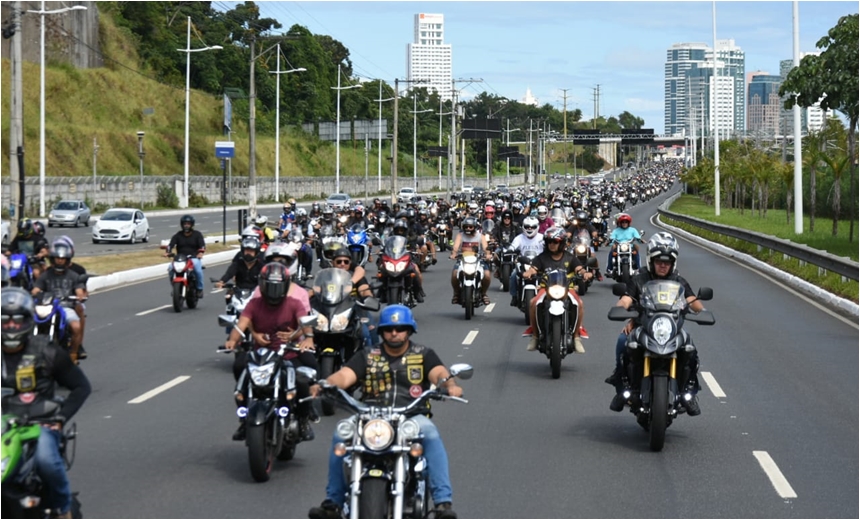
(278, 73)
(715, 120)
(337, 130)
(415, 113)
(379, 143)
(42, 14)
(140, 155)
(188, 50)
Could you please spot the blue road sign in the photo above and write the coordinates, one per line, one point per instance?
(224, 149)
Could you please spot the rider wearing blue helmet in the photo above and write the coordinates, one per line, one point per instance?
(394, 373)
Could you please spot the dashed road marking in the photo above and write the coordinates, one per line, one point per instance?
(490, 307)
(780, 484)
(470, 337)
(215, 291)
(155, 391)
(715, 387)
(150, 311)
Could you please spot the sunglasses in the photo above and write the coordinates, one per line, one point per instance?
(553, 241)
(399, 328)
(468, 229)
(529, 227)
(16, 319)
(342, 262)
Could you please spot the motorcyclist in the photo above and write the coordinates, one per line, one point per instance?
(544, 220)
(30, 243)
(517, 211)
(33, 367)
(528, 240)
(505, 232)
(269, 234)
(62, 281)
(245, 269)
(360, 290)
(554, 256)
(80, 307)
(273, 319)
(581, 226)
(190, 242)
(401, 228)
(414, 368)
(470, 237)
(623, 232)
(662, 264)
(417, 236)
(284, 219)
(357, 217)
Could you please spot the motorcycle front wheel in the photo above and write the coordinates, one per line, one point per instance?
(327, 369)
(191, 298)
(373, 501)
(659, 412)
(260, 453)
(506, 277)
(394, 296)
(555, 345)
(528, 295)
(177, 297)
(468, 301)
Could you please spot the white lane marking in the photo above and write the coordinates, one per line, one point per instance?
(154, 392)
(490, 307)
(470, 337)
(780, 484)
(214, 291)
(715, 387)
(150, 311)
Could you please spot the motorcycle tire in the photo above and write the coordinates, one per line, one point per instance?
(394, 296)
(191, 298)
(177, 297)
(288, 451)
(581, 287)
(555, 346)
(527, 297)
(625, 275)
(373, 500)
(506, 277)
(259, 452)
(468, 301)
(327, 369)
(659, 412)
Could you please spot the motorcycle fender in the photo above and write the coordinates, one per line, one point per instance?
(259, 412)
(469, 282)
(180, 279)
(556, 307)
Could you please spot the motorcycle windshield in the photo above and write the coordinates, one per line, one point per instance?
(663, 295)
(558, 216)
(395, 247)
(556, 277)
(333, 285)
(487, 227)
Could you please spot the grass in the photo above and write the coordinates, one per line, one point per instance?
(832, 282)
(109, 264)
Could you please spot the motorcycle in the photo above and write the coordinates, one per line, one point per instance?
(358, 242)
(184, 281)
(469, 274)
(527, 287)
(269, 409)
(21, 271)
(505, 260)
(395, 263)
(581, 248)
(50, 320)
(236, 300)
(337, 333)
(384, 463)
(623, 254)
(556, 312)
(662, 310)
(297, 247)
(23, 490)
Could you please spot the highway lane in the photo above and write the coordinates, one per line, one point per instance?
(526, 445)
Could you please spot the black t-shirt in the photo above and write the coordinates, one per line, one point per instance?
(187, 244)
(385, 377)
(643, 276)
(506, 234)
(568, 263)
(246, 277)
(63, 284)
(78, 268)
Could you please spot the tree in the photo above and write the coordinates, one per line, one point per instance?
(628, 121)
(831, 79)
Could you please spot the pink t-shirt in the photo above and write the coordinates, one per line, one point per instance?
(269, 320)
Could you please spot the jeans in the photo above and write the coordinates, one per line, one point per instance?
(434, 453)
(198, 272)
(52, 470)
(620, 347)
(512, 285)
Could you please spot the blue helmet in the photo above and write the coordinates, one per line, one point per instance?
(394, 315)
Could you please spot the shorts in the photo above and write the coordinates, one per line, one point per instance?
(70, 314)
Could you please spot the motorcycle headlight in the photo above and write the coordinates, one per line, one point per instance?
(556, 292)
(339, 322)
(389, 266)
(408, 430)
(401, 266)
(260, 375)
(580, 249)
(378, 434)
(43, 311)
(345, 429)
(3, 464)
(178, 267)
(662, 329)
(322, 323)
(16, 263)
(470, 268)
(624, 248)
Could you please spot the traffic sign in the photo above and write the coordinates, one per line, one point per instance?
(224, 149)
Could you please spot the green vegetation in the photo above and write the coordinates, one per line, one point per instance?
(772, 225)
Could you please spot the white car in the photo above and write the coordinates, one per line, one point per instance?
(338, 201)
(121, 225)
(406, 195)
(467, 188)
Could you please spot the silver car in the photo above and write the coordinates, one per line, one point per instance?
(121, 225)
(69, 213)
(338, 201)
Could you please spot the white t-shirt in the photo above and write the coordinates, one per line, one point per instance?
(523, 244)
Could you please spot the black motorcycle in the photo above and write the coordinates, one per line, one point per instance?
(556, 313)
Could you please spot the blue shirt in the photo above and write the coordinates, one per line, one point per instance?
(624, 235)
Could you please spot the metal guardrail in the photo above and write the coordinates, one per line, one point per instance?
(833, 263)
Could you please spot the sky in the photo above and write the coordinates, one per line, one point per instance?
(549, 46)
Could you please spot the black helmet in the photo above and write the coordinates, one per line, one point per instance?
(252, 243)
(581, 217)
(554, 235)
(39, 229)
(60, 250)
(186, 219)
(17, 318)
(400, 227)
(507, 214)
(469, 225)
(341, 253)
(411, 214)
(25, 227)
(274, 283)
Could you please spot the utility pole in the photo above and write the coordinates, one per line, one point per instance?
(565, 129)
(394, 145)
(16, 135)
(252, 138)
(95, 153)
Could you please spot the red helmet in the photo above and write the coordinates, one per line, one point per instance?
(623, 217)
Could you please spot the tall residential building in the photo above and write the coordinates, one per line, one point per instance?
(680, 58)
(428, 58)
(764, 104)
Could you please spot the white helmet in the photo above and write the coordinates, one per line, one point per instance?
(542, 212)
(530, 227)
(261, 221)
(663, 246)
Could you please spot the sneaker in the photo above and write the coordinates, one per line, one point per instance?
(533, 344)
(583, 333)
(614, 379)
(577, 345)
(599, 277)
(529, 332)
(82, 353)
(313, 416)
(444, 510)
(199, 294)
(618, 402)
(514, 301)
(419, 296)
(692, 406)
(239, 434)
(327, 509)
(305, 430)
(433, 262)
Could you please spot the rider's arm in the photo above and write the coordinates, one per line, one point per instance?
(440, 372)
(343, 378)
(69, 375)
(231, 272)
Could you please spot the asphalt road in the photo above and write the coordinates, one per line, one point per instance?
(526, 446)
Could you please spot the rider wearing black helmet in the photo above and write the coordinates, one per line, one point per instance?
(580, 226)
(27, 241)
(189, 241)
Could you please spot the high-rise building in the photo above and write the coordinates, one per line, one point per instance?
(764, 104)
(680, 58)
(427, 57)
(811, 118)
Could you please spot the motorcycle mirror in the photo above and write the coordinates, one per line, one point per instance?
(226, 320)
(705, 293)
(370, 304)
(621, 314)
(462, 371)
(309, 373)
(702, 318)
(619, 289)
(308, 321)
